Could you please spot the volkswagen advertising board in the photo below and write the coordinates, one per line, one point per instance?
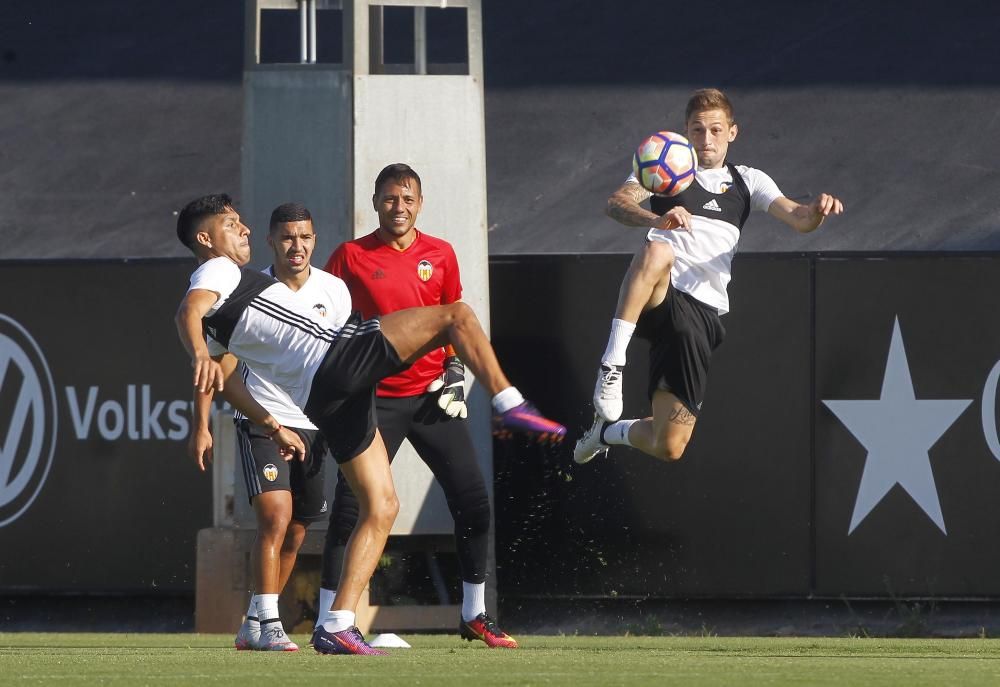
(96, 492)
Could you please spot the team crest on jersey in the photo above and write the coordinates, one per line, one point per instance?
(320, 309)
(270, 472)
(424, 270)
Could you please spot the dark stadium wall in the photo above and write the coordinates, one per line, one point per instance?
(848, 443)
(96, 492)
(117, 113)
(815, 470)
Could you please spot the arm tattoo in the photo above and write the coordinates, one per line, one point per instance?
(682, 416)
(637, 192)
(624, 207)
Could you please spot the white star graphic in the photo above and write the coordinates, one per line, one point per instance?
(898, 431)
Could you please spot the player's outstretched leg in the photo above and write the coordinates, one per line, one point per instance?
(608, 393)
(663, 436)
(417, 331)
(591, 444)
(645, 286)
(485, 629)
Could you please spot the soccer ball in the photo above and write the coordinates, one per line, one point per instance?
(665, 163)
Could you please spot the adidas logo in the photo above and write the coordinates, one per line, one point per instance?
(711, 205)
(378, 274)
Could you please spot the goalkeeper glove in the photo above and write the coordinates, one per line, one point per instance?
(451, 384)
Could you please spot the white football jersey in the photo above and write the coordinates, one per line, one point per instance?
(704, 255)
(266, 325)
(330, 300)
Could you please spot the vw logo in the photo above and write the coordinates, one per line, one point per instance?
(27, 420)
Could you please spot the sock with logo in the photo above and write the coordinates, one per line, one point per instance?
(617, 432)
(618, 340)
(267, 607)
(336, 621)
(473, 600)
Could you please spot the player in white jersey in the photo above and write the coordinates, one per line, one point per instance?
(329, 372)
(675, 288)
(286, 495)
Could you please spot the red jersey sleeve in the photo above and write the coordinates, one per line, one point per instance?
(451, 289)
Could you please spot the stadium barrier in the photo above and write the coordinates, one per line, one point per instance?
(773, 499)
(847, 445)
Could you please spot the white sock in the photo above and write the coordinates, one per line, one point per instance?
(326, 599)
(621, 334)
(473, 600)
(507, 399)
(267, 607)
(335, 621)
(252, 611)
(617, 432)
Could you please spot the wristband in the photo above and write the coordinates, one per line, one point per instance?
(270, 435)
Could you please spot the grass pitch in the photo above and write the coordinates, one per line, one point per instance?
(444, 660)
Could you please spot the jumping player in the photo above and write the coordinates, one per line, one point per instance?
(286, 495)
(328, 372)
(395, 267)
(675, 289)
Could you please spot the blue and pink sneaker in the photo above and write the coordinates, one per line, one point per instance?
(525, 419)
(349, 641)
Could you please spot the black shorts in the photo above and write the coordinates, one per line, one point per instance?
(264, 469)
(342, 398)
(682, 333)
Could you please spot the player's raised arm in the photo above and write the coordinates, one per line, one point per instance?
(805, 218)
(624, 207)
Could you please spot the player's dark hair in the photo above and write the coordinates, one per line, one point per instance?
(709, 99)
(398, 172)
(198, 209)
(289, 212)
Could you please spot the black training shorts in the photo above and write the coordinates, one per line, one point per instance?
(682, 333)
(264, 469)
(342, 398)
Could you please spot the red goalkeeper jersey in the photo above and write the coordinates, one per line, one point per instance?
(382, 279)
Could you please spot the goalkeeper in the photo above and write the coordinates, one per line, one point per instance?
(396, 267)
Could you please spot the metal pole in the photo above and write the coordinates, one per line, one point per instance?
(376, 35)
(312, 31)
(420, 40)
(303, 32)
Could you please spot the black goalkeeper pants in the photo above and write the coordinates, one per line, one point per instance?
(445, 445)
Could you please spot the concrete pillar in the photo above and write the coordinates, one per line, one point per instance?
(318, 133)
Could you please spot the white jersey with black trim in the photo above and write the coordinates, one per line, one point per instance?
(330, 300)
(265, 324)
(704, 256)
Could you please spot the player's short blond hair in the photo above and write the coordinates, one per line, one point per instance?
(709, 99)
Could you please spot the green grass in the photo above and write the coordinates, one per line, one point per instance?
(186, 659)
